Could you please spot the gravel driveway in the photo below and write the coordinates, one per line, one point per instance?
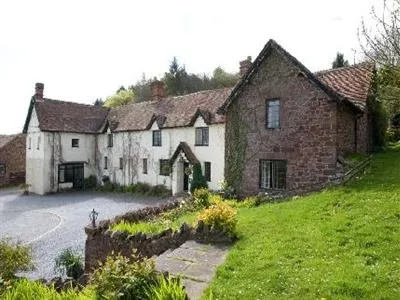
(54, 222)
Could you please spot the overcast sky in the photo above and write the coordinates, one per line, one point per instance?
(83, 50)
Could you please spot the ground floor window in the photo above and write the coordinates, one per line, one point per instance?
(207, 171)
(144, 165)
(165, 167)
(272, 174)
(105, 162)
(2, 169)
(121, 163)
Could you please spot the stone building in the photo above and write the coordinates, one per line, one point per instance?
(280, 128)
(12, 159)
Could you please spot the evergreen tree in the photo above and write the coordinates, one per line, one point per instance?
(198, 180)
(339, 61)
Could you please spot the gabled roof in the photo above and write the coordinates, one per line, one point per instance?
(187, 151)
(5, 139)
(272, 45)
(353, 82)
(61, 116)
(170, 112)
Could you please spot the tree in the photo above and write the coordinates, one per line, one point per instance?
(198, 180)
(122, 97)
(339, 61)
(222, 79)
(141, 89)
(175, 78)
(98, 102)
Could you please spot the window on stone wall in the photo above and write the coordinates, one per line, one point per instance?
(165, 167)
(201, 136)
(144, 165)
(157, 138)
(207, 171)
(2, 169)
(110, 140)
(105, 162)
(272, 174)
(121, 163)
(38, 142)
(273, 114)
(75, 143)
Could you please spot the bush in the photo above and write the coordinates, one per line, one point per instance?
(14, 258)
(69, 263)
(143, 188)
(198, 180)
(226, 190)
(201, 197)
(122, 278)
(393, 135)
(166, 288)
(159, 190)
(220, 216)
(107, 186)
(91, 182)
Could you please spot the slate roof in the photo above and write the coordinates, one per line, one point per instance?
(272, 45)
(170, 112)
(61, 116)
(5, 139)
(353, 82)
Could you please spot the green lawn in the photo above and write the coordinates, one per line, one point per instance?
(341, 243)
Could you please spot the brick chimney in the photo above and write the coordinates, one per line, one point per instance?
(39, 87)
(244, 66)
(157, 89)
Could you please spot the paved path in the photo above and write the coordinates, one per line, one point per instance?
(54, 222)
(195, 263)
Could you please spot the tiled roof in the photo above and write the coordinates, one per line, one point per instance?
(352, 82)
(55, 115)
(185, 148)
(5, 139)
(170, 112)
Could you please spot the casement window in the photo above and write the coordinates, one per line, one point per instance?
(38, 142)
(121, 163)
(29, 143)
(144, 165)
(110, 140)
(201, 136)
(165, 167)
(157, 138)
(273, 174)
(105, 162)
(65, 173)
(273, 114)
(207, 171)
(75, 143)
(2, 169)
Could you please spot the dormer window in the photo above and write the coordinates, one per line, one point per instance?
(110, 141)
(157, 138)
(201, 136)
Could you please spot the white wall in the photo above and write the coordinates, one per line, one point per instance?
(134, 146)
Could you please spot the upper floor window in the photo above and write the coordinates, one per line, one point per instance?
(207, 171)
(105, 162)
(165, 167)
(273, 113)
(110, 141)
(29, 143)
(75, 143)
(38, 142)
(273, 174)
(2, 169)
(201, 136)
(144, 165)
(156, 137)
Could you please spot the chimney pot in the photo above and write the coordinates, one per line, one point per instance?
(244, 66)
(39, 87)
(157, 89)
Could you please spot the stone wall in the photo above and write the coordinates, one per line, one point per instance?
(101, 242)
(13, 155)
(346, 131)
(306, 139)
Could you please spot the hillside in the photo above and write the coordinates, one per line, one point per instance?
(341, 243)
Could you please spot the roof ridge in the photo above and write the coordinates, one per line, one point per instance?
(353, 66)
(71, 102)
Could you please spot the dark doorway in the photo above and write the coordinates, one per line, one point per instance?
(71, 173)
(185, 177)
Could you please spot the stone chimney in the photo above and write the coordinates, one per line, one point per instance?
(244, 66)
(157, 88)
(39, 87)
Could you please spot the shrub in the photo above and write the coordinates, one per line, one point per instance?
(201, 197)
(166, 288)
(122, 278)
(226, 190)
(198, 180)
(393, 135)
(159, 190)
(69, 263)
(14, 258)
(107, 186)
(142, 188)
(220, 216)
(91, 182)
